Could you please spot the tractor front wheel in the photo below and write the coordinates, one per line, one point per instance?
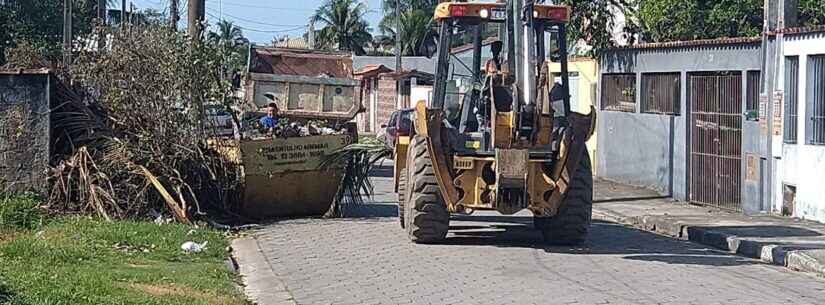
(425, 211)
(571, 224)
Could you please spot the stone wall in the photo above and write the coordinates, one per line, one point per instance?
(24, 131)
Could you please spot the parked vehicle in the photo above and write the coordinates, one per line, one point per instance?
(400, 124)
(219, 121)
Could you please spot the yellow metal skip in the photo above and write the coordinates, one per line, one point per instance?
(281, 177)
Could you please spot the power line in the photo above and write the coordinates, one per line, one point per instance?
(253, 21)
(261, 31)
(267, 7)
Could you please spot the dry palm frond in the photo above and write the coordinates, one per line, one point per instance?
(128, 136)
(358, 159)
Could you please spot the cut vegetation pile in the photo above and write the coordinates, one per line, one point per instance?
(130, 135)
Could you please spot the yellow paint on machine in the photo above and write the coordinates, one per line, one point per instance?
(282, 177)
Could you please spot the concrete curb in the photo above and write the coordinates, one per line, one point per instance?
(258, 276)
(788, 256)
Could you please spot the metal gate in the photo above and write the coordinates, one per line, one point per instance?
(716, 139)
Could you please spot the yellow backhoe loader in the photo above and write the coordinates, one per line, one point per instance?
(499, 136)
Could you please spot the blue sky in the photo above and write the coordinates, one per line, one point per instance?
(261, 20)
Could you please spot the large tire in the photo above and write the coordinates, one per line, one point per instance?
(426, 216)
(571, 224)
(402, 195)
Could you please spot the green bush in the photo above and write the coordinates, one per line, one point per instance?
(20, 212)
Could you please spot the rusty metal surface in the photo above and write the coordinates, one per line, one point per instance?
(716, 139)
(619, 92)
(299, 62)
(304, 193)
(511, 163)
(267, 157)
(309, 97)
(661, 93)
(281, 177)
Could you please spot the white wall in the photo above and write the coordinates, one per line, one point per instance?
(420, 92)
(801, 164)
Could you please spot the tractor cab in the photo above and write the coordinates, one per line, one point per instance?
(495, 91)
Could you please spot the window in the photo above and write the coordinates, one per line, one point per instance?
(619, 92)
(816, 99)
(791, 99)
(754, 84)
(661, 92)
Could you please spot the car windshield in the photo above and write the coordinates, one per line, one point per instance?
(406, 120)
(393, 119)
(216, 111)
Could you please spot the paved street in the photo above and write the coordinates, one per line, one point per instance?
(490, 259)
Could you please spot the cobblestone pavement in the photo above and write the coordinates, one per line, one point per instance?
(491, 259)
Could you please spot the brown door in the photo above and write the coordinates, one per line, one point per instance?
(716, 139)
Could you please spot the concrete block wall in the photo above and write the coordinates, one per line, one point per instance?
(25, 134)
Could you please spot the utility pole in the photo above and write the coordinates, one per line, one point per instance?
(123, 13)
(195, 17)
(197, 11)
(67, 32)
(397, 37)
(173, 14)
(311, 35)
(399, 82)
(778, 14)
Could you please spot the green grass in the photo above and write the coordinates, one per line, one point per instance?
(82, 260)
(20, 212)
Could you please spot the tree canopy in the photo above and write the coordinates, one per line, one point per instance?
(415, 22)
(343, 26)
(670, 20)
(40, 24)
(595, 21)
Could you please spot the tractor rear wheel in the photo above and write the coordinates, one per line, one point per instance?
(426, 216)
(571, 224)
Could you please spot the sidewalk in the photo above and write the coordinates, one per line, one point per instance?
(796, 244)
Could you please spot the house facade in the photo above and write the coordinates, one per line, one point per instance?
(799, 187)
(671, 119)
(736, 123)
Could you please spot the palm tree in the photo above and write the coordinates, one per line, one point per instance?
(415, 24)
(416, 21)
(343, 26)
(231, 44)
(427, 6)
(228, 35)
